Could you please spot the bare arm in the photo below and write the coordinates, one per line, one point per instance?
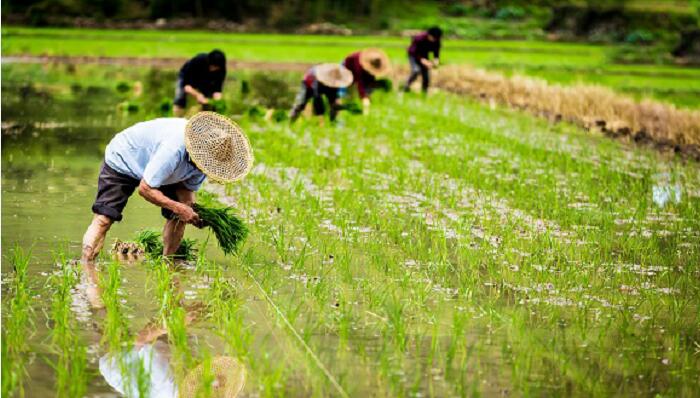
(155, 196)
(195, 93)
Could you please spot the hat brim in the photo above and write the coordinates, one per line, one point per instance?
(341, 78)
(224, 367)
(199, 142)
(370, 54)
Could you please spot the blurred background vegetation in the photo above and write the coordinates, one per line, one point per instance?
(648, 30)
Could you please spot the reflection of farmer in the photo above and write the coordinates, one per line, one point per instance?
(418, 56)
(201, 77)
(145, 367)
(366, 66)
(319, 81)
(167, 160)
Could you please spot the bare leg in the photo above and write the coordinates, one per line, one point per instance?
(174, 230)
(93, 240)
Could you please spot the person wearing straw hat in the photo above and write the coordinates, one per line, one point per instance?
(419, 57)
(320, 81)
(202, 77)
(166, 160)
(145, 367)
(367, 66)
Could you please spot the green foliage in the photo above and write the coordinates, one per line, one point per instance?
(165, 106)
(219, 105)
(279, 115)
(270, 91)
(510, 13)
(71, 362)
(152, 244)
(245, 88)
(255, 112)
(353, 107)
(385, 85)
(230, 231)
(17, 326)
(129, 107)
(640, 36)
(150, 241)
(123, 87)
(187, 250)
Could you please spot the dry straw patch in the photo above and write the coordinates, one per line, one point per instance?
(588, 106)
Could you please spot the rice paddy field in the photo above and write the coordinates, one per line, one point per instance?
(553, 61)
(439, 246)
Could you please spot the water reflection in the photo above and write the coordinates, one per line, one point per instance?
(147, 368)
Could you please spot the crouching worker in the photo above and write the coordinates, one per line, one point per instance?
(321, 81)
(167, 160)
(418, 57)
(202, 77)
(367, 66)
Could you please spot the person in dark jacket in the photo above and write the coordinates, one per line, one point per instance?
(321, 81)
(367, 66)
(418, 56)
(201, 77)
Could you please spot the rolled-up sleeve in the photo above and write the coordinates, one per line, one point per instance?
(161, 166)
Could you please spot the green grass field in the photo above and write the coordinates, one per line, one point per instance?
(556, 62)
(437, 247)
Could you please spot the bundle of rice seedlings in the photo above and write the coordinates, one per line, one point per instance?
(187, 250)
(152, 244)
(150, 241)
(229, 229)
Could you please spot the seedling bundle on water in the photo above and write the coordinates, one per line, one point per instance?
(152, 245)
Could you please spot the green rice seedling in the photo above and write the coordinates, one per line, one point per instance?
(177, 336)
(352, 107)
(116, 330)
(17, 326)
(151, 242)
(71, 364)
(229, 230)
(279, 115)
(188, 250)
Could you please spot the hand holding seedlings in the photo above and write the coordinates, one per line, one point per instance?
(187, 215)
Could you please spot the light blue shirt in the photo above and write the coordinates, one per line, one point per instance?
(155, 152)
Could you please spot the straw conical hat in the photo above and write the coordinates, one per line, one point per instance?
(333, 75)
(229, 379)
(218, 147)
(375, 61)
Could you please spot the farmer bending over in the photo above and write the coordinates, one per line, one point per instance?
(418, 56)
(201, 77)
(319, 81)
(167, 160)
(366, 66)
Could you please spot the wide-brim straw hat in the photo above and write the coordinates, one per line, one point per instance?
(333, 75)
(218, 147)
(228, 379)
(375, 61)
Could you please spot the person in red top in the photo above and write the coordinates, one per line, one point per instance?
(321, 81)
(418, 56)
(366, 66)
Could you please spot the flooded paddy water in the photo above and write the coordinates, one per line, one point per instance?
(438, 247)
